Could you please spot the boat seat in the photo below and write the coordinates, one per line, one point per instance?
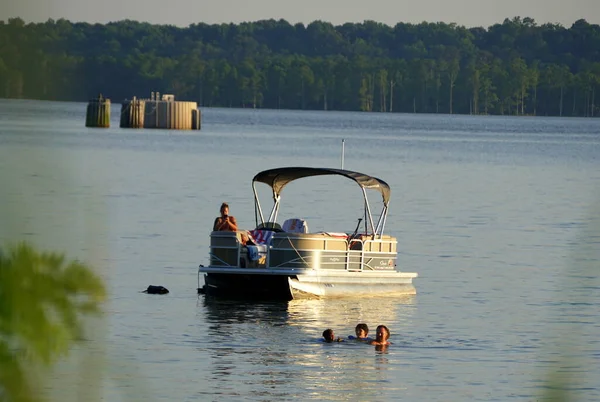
(274, 226)
(295, 225)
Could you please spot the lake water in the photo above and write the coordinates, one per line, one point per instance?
(500, 216)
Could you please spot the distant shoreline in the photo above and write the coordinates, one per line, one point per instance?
(514, 68)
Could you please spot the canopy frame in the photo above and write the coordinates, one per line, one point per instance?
(278, 178)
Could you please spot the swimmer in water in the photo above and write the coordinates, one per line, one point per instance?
(329, 336)
(362, 331)
(381, 336)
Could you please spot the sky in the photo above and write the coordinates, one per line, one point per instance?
(470, 13)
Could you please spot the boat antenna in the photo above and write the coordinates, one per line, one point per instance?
(342, 153)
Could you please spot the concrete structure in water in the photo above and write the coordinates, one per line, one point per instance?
(160, 112)
(98, 112)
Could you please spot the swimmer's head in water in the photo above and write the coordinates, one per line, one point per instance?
(328, 335)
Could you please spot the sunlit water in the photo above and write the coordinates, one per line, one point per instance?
(498, 215)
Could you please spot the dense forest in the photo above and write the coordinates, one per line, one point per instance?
(517, 67)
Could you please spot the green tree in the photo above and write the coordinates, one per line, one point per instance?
(382, 78)
(43, 298)
(534, 80)
(275, 75)
(474, 74)
(343, 86)
(229, 77)
(557, 77)
(299, 82)
(365, 92)
(503, 86)
(399, 71)
(210, 85)
(3, 79)
(595, 72)
(452, 68)
(519, 83)
(319, 66)
(325, 71)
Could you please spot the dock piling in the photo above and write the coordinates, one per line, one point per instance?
(98, 112)
(164, 112)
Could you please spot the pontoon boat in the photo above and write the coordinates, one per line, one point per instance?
(285, 261)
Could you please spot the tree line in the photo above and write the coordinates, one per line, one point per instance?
(516, 67)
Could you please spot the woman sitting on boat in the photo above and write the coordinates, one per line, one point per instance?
(225, 222)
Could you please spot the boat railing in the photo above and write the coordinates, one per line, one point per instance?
(225, 248)
(324, 251)
(305, 251)
(215, 258)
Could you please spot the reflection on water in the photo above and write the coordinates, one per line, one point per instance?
(223, 312)
(279, 344)
(491, 212)
(310, 316)
(344, 314)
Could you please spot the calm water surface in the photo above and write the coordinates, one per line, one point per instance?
(498, 215)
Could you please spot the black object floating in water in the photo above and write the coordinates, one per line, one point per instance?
(156, 290)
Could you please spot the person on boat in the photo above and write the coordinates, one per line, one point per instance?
(329, 336)
(362, 331)
(225, 222)
(382, 334)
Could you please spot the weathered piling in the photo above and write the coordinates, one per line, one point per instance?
(196, 119)
(132, 113)
(98, 112)
(162, 112)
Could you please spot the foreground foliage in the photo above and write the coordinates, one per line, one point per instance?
(43, 298)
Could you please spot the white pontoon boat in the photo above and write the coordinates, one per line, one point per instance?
(286, 262)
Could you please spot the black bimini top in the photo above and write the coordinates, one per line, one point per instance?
(278, 178)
